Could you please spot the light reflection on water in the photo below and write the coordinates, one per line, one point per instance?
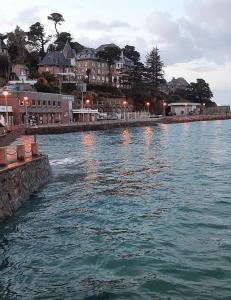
(136, 213)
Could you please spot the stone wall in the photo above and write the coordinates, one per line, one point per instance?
(195, 118)
(59, 129)
(18, 181)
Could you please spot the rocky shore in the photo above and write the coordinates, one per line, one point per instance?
(195, 118)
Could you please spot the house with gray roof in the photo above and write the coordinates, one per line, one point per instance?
(57, 62)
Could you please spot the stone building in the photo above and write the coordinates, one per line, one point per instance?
(86, 66)
(177, 83)
(60, 63)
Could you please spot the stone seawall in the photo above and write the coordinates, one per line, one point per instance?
(59, 129)
(195, 118)
(19, 180)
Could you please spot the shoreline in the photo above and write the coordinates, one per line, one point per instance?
(195, 118)
(103, 125)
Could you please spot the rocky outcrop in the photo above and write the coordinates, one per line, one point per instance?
(19, 180)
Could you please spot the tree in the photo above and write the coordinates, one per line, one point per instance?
(135, 74)
(47, 83)
(57, 18)
(37, 38)
(4, 61)
(154, 69)
(201, 91)
(110, 54)
(131, 53)
(16, 44)
(61, 40)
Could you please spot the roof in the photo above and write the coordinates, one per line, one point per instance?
(55, 59)
(87, 53)
(2, 44)
(179, 81)
(68, 52)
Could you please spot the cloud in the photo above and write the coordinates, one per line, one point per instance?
(103, 26)
(204, 32)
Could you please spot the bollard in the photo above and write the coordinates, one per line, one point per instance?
(34, 149)
(21, 152)
(3, 156)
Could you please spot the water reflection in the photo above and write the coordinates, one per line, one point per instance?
(91, 170)
(88, 139)
(148, 133)
(126, 137)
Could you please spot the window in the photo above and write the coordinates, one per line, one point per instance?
(39, 103)
(54, 103)
(44, 103)
(49, 103)
(59, 103)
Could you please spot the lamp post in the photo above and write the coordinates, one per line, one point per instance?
(5, 93)
(124, 106)
(164, 105)
(26, 103)
(148, 105)
(87, 105)
(203, 108)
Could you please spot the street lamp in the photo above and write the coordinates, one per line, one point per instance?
(26, 103)
(5, 93)
(87, 105)
(148, 105)
(203, 108)
(124, 106)
(164, 105)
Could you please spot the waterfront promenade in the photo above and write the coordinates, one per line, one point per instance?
(109, 124)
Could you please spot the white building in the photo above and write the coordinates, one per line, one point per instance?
(184, 108)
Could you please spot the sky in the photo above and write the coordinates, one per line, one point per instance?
(193, 36)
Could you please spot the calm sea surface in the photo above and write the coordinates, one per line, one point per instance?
(137, 213)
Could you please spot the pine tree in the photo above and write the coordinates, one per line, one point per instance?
(154, 73)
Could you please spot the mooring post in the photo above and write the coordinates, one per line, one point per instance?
(21, 152)
(34, 149)
(3, 156)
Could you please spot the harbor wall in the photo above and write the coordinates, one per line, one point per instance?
(19, 180)
(74, 127)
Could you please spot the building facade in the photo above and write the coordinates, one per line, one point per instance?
(86, 66)
(43, 108)
(177, 84)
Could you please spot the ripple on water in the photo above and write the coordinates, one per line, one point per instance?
(138, 213)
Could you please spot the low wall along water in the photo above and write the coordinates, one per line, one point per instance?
(18, 181)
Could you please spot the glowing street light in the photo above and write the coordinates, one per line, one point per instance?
(87, 105)
(124, 106)
(148, 105)
(5, 93)
(26, 103)
(88, 102)
(164, 108)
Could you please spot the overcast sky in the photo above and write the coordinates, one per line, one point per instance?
(194, 36)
